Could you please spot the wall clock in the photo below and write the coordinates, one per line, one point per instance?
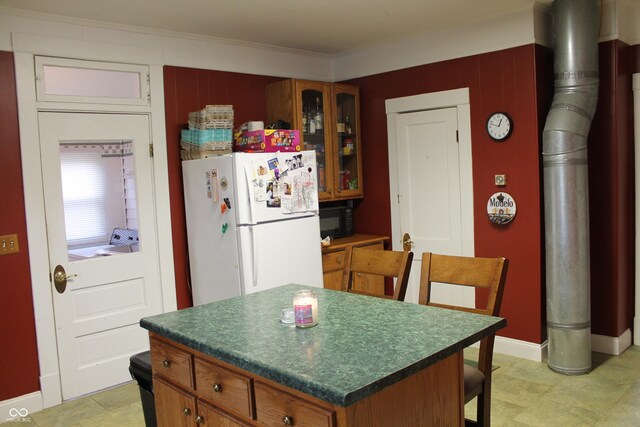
(499, 126)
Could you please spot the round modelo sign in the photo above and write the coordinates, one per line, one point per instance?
(501, 208)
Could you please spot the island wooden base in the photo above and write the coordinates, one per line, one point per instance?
(216, 393)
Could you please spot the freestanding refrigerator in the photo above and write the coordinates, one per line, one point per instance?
(252, 223)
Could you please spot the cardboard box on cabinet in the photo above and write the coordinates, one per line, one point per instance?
(268, 140)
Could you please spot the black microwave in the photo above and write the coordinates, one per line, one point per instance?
(336, 221)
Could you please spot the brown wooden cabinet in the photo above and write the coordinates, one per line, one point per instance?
(431, 396)
(333, 263)
(193, 389)
(328, 117)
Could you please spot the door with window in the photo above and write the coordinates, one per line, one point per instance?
(98, 196)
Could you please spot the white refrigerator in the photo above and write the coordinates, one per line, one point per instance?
(252, 223)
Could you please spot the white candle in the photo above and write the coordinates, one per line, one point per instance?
(305, 307)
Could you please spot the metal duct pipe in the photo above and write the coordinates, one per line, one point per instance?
(566, 191)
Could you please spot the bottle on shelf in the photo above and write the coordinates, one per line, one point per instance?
(319, 116)
(340, 127)
(347, 125)
(311, 122)
(305, 124)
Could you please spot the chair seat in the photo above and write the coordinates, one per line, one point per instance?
(473, 380)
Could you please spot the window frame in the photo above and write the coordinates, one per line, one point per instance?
(140, 70)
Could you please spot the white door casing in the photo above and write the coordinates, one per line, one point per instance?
(25, 47)
(97, 316)
(430, 181)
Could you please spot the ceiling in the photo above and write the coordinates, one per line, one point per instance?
(328, 27)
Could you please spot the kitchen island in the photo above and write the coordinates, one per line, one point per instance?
(368, 362)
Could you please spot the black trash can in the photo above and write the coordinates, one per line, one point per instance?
(140, 368)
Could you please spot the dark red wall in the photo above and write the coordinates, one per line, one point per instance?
(498, 81)
(19, 372)
(611, 194)
(516, 80)
(188, 89)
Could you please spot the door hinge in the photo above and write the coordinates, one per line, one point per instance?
(150, 150)
(149, 86)
(398, 198)
(457, 136)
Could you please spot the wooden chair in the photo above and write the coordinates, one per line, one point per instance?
(488, 273)
(377, 262)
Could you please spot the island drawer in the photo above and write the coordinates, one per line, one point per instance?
(274, 407)
(226, 389)
(172, 363)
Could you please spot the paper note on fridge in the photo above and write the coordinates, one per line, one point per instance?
(286, 181)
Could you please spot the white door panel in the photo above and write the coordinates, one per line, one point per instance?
(97, 315)
(429, 182)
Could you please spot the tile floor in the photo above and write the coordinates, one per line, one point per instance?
(525, 393)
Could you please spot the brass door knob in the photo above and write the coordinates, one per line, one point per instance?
(407, 243)
(60, 278)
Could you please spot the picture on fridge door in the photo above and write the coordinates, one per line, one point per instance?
(285, 182)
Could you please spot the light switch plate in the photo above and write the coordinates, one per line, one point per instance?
(9, 244)
(501, 180)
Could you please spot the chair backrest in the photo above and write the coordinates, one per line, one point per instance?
(378, 262)
(484, 273)
(487, 273)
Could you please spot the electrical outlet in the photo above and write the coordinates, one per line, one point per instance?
(501, 180)
(9, 244)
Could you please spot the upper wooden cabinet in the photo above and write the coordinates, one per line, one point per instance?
(328, 117)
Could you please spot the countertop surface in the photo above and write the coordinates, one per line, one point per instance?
(360, 345)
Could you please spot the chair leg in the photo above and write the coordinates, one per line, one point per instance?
(483, 414)
(480, 410)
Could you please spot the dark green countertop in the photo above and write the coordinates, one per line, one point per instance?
(360, 345)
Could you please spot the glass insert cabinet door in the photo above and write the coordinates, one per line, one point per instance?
(348, 168)
(316, 132)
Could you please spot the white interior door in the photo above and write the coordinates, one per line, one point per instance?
(429, 182)
(109, 287)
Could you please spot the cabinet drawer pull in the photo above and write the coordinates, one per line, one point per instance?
(187, 411)
(217, 388)
(339, 260)
(287, 421)
(199, 419)
(166, 363)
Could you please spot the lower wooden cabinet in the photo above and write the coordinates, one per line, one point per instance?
(223, 396)
(277, 408)
(333, 263)
(174, 407)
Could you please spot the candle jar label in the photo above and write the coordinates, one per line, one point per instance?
(304, 315)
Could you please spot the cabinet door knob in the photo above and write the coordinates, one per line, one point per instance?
(288, 421)
(187, 411)
(166, 363)
(339, 260)
(199, 419)
(217, 388)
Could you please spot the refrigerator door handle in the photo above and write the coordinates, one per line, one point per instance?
(254, 249)
(248, 174)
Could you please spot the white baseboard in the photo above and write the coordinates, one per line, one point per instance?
(50, 388)
(611, 345)
(538, 352)
(522, 349)
(636, 325)
(20, 408)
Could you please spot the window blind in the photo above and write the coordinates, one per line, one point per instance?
(83, 192)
